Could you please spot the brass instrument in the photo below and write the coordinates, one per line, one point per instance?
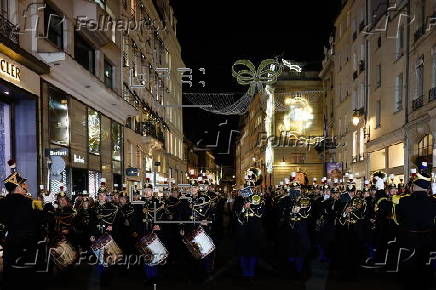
(300, 210)
(352, 217)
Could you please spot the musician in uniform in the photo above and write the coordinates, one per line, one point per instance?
(325, 221)
(127, 225)
(22, 221)
(295, 211)
(106, 213)
(350, 232)
(248, 210)
(385, 227)
(416, 215)
(201, 212)
(153, 208)
(84, 222)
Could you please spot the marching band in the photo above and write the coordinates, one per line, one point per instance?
(343, 226)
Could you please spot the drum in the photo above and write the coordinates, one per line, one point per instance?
(153, 250)
(199, 244)
(1, 258)
(106, 250)
(63, 254)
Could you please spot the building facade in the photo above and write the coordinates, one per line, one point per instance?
(97, 86)
(281, 128)
(378, 74)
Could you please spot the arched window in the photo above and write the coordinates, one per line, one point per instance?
(425, 146)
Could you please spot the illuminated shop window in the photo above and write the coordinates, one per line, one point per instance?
(58, 117)
(94, 131)
(116, 141)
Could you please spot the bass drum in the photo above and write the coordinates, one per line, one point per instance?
(63, 254)
(106, 250)
(199, 244)
(153, 249)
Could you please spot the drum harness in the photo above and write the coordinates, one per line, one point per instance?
(107, 219)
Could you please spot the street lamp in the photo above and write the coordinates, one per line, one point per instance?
(357, 114)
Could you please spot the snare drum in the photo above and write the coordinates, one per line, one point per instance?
(106, 250)
(199, 243)
(63, 254)
(153, 249)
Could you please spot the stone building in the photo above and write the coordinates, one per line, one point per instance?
(74, 74)
(378, 74)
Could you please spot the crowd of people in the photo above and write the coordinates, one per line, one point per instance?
(384, 226)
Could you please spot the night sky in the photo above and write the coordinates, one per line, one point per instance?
(214, 34)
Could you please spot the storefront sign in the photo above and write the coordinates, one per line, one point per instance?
(10, 70)
(132, 171)
(56, 152)
(78, 159)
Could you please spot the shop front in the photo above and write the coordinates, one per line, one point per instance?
(19, 93)
(92, 140)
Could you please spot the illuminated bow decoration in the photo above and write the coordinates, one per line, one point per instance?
(267, 73)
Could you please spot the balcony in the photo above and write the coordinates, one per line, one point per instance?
(8, 30)
(417, 103)
(432, 94)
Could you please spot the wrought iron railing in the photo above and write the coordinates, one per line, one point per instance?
(9, 30)
(418, 103)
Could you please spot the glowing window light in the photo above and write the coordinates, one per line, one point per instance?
(300, 115)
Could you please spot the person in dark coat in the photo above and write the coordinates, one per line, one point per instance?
(248, 209)
(22, 222)
(416, 215)
(351, 247)
(295, 212)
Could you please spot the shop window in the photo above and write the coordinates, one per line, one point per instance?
(108, 74)
(425, 146)
(396, 155)
(116, 141)
(94, 131)
(85, 54)
(58, 117)
(5, 141)
(53, 26)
